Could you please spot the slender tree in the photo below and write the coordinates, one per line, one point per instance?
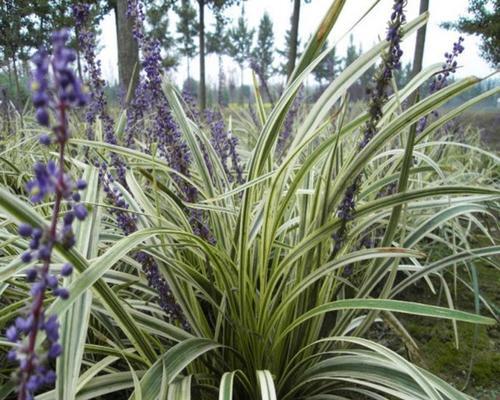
(294, 37)
(187, 30)
(263, 52)
(216, 6)
(240, 43)
(217, 43)
(352, 53)
(284, 54)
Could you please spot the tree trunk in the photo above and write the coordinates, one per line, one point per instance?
(220, 99)
(241, 84)
(418, 56)
(128, 51)
(9, 72)
(294, 37)
(201, 33)
(16, 78)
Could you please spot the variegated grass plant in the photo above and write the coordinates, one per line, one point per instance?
(270, 314)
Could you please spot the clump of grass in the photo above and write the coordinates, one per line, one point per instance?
(268, 309)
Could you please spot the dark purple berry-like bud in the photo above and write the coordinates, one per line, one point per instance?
(23, 324)
(55, 350)
(42, 116)
(50, 377)
(81, 184)
(66, 269)
(45, 140)
(26, 257)
(62, 293)
(80, 211)
(69, 218)
(51, 328)
(34, 383)
(25, 230)
(12, 355)
(44, 253)
(37, 233)
(11, 334)
(52, 281)
(31, 274)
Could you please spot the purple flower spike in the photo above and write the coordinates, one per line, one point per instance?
(55, 90)
(441, 80)
(378, 97)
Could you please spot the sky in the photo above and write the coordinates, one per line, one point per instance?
(366, 34)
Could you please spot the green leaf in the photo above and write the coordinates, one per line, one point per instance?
(405, 307)
(266, 384)
(174, 360)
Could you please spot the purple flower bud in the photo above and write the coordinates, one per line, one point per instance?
(45, 140)
(37, 233)
(26, 257)
(69, 218)
(66, 269)
(31, 274)
(25, 230)
(81, 184)
(62, 293)
(50, 377)
(51, 328)
(54, 351)
(37, 288)
(34, 383)
(42, 116)
(11, 334)
(52, 281)
(80, 211)
(24, 324)
(12, 355)
(44, 253)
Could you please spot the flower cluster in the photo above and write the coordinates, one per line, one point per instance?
(224, 145)
(135, 113)
(390, 62)
(98, 104)
(165, 133)
(441, 80)
(69, 89)
(378, 97)
(125, 220)
(191, 105)
(55, 90)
